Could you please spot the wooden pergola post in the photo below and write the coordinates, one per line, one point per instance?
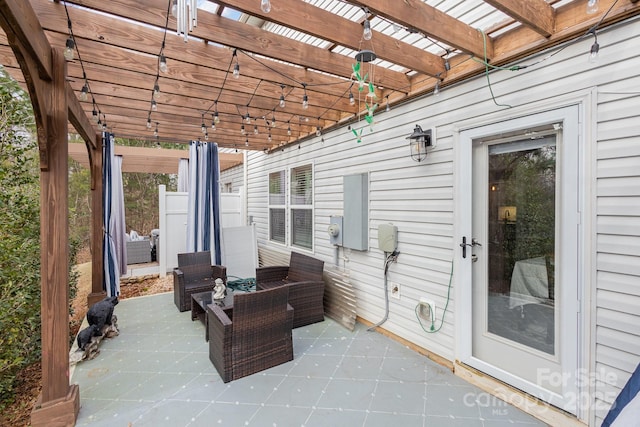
(59, 402)
(97, 232)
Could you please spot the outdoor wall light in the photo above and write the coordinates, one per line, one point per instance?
(419, 140)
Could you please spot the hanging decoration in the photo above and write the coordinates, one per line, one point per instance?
(186, 14)
(365, 82)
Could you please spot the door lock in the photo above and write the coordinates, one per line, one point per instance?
(464, 245)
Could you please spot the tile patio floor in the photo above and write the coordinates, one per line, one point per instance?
(157, 373)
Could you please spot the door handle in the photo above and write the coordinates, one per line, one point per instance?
(464, 245)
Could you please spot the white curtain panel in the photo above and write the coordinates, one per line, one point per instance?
(183, 175)
(111, 281)
(117, 213)
(203, 212)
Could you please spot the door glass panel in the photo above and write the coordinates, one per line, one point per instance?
(521, 242)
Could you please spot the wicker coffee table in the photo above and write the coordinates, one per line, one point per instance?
(201, 300)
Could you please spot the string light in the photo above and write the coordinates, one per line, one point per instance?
(149, 123)
(213, 122)
(155, 132)
(352, 100)
(156, 89)
(94, 113)
(247, 118)
(236, 67)
(255, 129)
(203, 127)
(154, 105)
(305, 98)
(242, 129)
(216, 116)
(592, 7)
(84, 93)
(69, 49)
(282, 101)
(366, 33)
(595, 48)
(387, 108)
(288, 129)
(269, 137)
(265, 6)
(163, 63)
(246, 142)
(436, 89)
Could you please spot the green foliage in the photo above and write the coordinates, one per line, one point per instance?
(19, 237)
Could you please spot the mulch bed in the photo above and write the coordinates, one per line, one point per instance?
(29, 379)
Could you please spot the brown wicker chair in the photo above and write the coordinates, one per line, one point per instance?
(194, 274)
(303, 277)
(251, 336)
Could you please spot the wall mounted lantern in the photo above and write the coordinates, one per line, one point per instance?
(419, 140)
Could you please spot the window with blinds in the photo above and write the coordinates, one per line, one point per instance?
(297, 208)
(301, 203)
(277, 207)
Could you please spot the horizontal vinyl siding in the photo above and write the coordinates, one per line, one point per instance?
(419, 197)
(617, 302)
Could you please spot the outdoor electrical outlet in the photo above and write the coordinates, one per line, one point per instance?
(395, 290)
(427, 308)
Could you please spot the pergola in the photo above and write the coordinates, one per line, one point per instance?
(296, 51)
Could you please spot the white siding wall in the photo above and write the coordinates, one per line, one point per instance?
(418, 197)
(235, 176)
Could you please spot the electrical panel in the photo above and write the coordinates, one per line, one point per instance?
(355, 233)
(387, 237)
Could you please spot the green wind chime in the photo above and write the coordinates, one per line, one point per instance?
(370, 97)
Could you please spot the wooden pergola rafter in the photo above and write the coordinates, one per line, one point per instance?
(120, 41)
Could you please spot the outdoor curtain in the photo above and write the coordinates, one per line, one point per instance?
(183, 175)
(114, 247)
(203, 212)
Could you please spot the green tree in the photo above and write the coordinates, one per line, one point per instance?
(19, 237)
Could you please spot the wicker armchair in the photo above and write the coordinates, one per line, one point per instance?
(251, 336)
(194, 274)
(303, 277)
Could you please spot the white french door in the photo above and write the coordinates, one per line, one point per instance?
(520, 253)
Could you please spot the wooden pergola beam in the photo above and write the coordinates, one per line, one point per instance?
(342, 31)
(536, 14)
(418, 15)
(221, 30)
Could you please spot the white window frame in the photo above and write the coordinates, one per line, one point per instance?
(289, 207)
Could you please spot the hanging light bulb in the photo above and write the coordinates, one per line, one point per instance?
(352, 100)
(282, 102)
(154, 105)
(592, 6)
(305, 98)
(366, 34)
(265, 6)
(203, 127)
(163, 63)
(99, 123)
(593, 54)
(247, 118)
(289, 130)
(84, 93)
(213, 122)
(206, 136)
(156, 89)
(387, 108)
(246, 142)
(216, 117)
(269, 137)
(149, 123)
(436, 89)
(273, 121)
(155, 132)
(318, 131)
(242, 129)
(174, 8)
(94, 113)
(69, 49)
(104, 123)
(236, 71)
(255, 129)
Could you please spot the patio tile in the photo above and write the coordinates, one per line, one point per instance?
(395, 397)
(376, 419)
(348, 394)
(157, 372)
(322, 417)
(298, 391)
